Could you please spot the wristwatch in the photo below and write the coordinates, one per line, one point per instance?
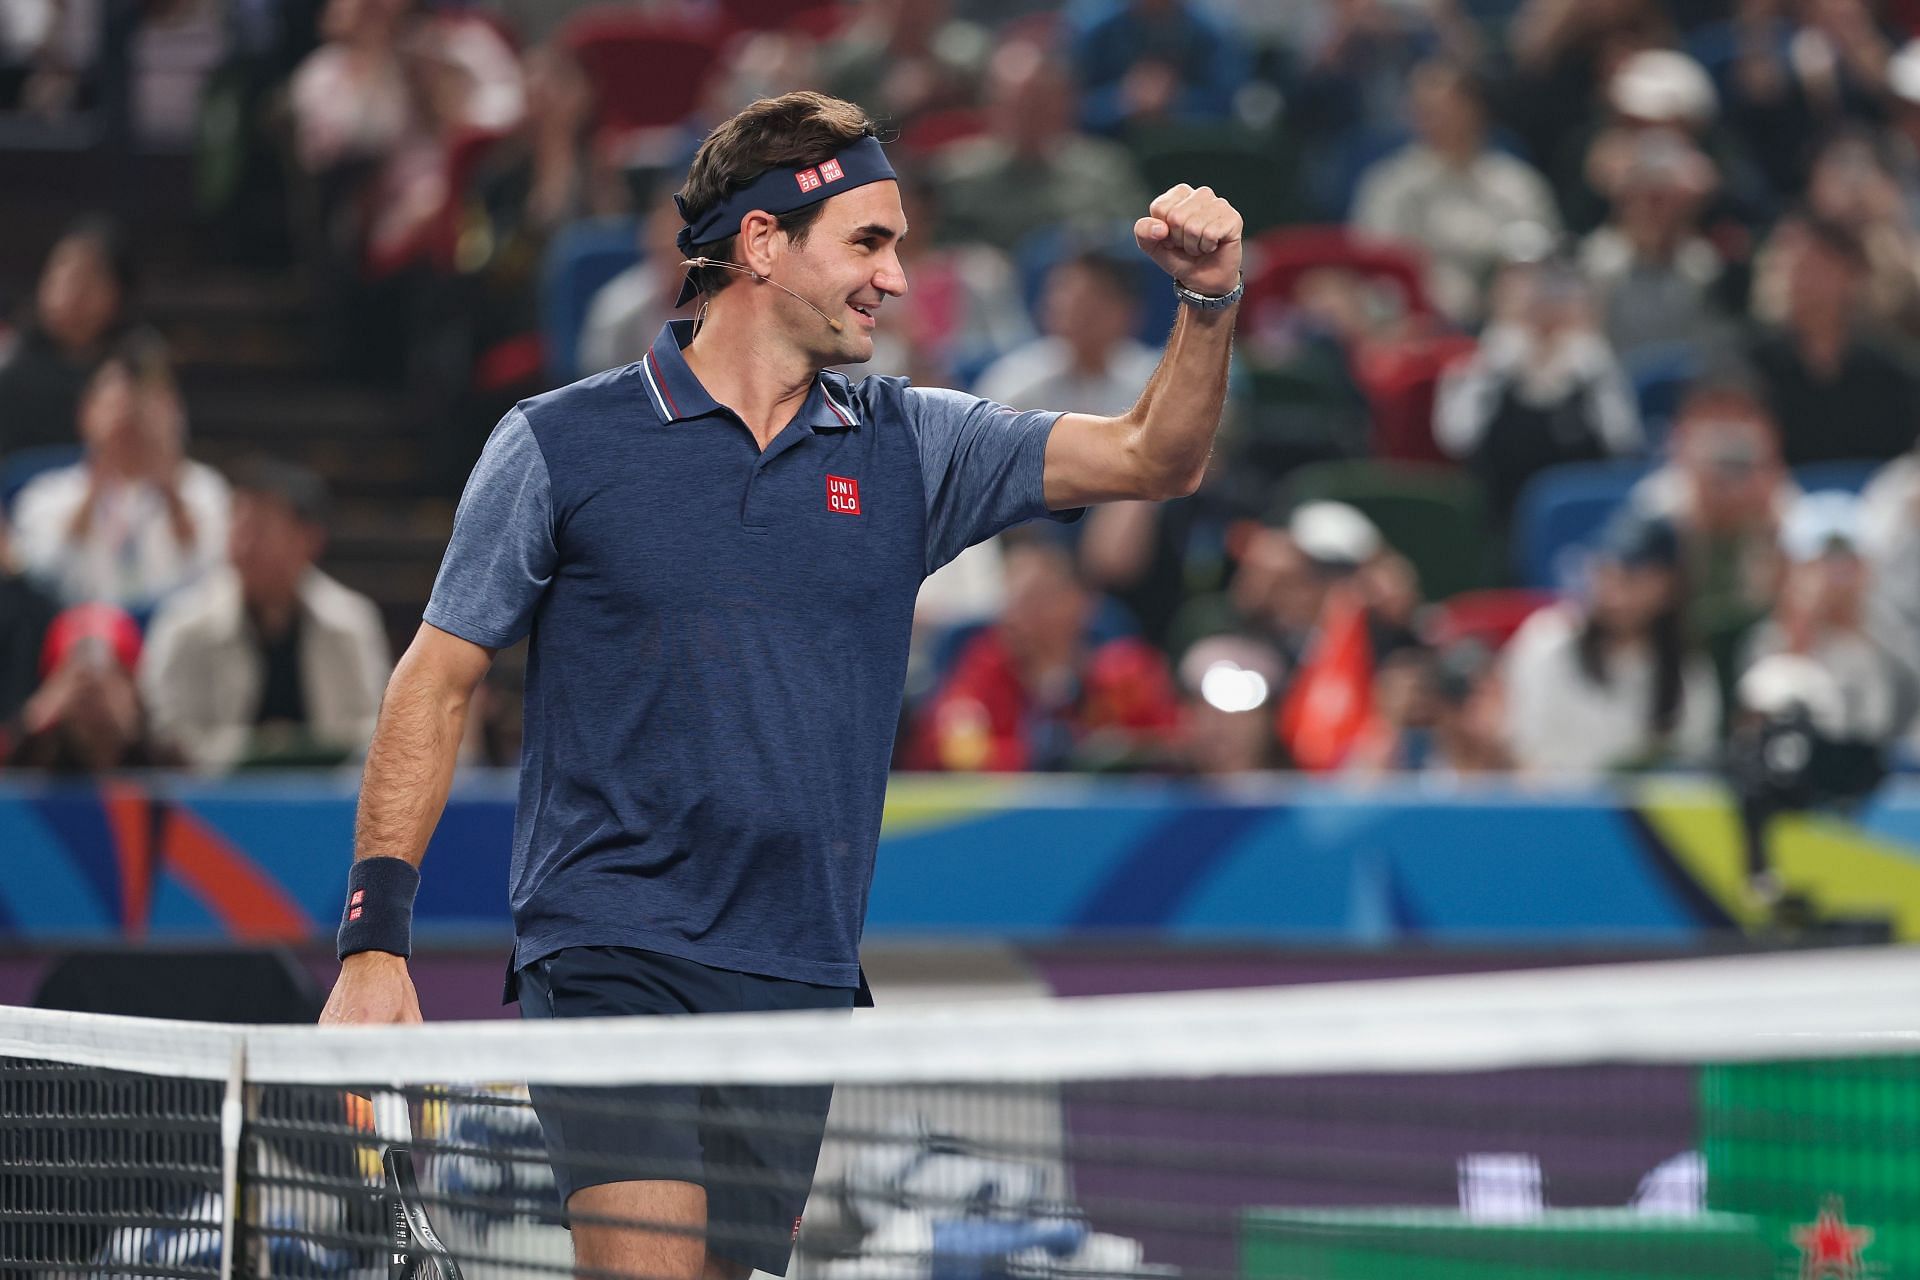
(1206, 302)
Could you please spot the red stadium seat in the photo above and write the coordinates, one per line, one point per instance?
(1490, 617)
(1399, 379)
(811, 17)
(647, 71)
(1283, 256)
(937, 129)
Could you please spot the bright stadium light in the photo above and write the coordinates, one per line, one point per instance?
(1229, 686)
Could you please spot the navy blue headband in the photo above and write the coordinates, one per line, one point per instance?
(780, 191)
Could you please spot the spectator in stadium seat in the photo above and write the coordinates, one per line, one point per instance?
(1821, 613)
(903, 58)
(80, 308)
(1544, 387)
(1851, 187)
(1284, 573)
(25, 612)
(1798, 73)
(1612, 682)
(1469, 713)
(135, 518)
(1031, 693)
(269, 657)
(1652, 271)
(628, 310)
(1088, 358)
(1726, 490)
(1451, 193)
(1032, 169)
(1662, 90)
(1144, 62)
(1890, 538)
(1837, 393)
(1356, 61)
(349, 98)
(1398, 735)
(86, 717)
(531, 184)
(1564, 54)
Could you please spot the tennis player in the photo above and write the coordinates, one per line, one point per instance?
(716, 551)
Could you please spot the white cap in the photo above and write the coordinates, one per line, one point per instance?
(1664, 86)
(1334, 533)
(1820, 522)
(1903, 72)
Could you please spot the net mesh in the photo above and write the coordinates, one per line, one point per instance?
(1753, 1118)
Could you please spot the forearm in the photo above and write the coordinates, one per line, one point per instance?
(1173, 424)
(409, 764)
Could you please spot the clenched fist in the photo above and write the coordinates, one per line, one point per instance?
(1194, 236)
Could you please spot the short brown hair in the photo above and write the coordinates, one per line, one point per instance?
(791, 130)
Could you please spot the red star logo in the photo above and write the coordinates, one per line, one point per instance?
(1829, 1248)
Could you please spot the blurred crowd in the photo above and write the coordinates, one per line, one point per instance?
(1574, 417)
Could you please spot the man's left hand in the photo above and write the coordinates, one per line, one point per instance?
(1194, 236)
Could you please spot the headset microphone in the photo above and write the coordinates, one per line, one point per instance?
(832, 324)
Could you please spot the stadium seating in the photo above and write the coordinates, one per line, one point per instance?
(1560, 511)
(22, 465)
(1255, 172)
(1282, 258)
(582, 257)
(1400, 379)
(1660, 376)
(1434, 516)
(647, 71)
(1490, 616)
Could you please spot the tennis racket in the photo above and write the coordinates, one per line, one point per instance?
(414, 1251)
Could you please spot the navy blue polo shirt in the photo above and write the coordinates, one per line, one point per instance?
(719, 645)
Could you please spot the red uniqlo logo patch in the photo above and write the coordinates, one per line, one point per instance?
(809, 179)
(355, 913)
(830, 171)
(843, 495)
(359, 896)
(796, 1228)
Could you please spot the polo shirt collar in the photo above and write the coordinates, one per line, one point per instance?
(677, 395)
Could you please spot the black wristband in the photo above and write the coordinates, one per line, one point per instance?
(379, 911)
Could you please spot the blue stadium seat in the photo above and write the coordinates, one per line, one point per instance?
(582, 258)
(23, 465)
(1560, 512)
(1851, 475)
(1661, 375)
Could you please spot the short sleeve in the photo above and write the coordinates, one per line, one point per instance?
(502, 554)
(984, 466)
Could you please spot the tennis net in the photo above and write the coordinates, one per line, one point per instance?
(1748, 1117)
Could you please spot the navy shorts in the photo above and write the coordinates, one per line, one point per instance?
(752, 1147)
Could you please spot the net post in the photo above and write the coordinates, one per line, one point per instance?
(232, 1118)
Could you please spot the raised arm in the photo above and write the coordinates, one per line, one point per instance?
(1158, 449)
(402, 793)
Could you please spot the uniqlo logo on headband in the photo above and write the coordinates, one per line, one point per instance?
(830, 171)
(843, 495)
(809, 179)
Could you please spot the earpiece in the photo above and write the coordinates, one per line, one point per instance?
(832, 324)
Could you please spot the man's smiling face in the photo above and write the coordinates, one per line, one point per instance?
(849, 266)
